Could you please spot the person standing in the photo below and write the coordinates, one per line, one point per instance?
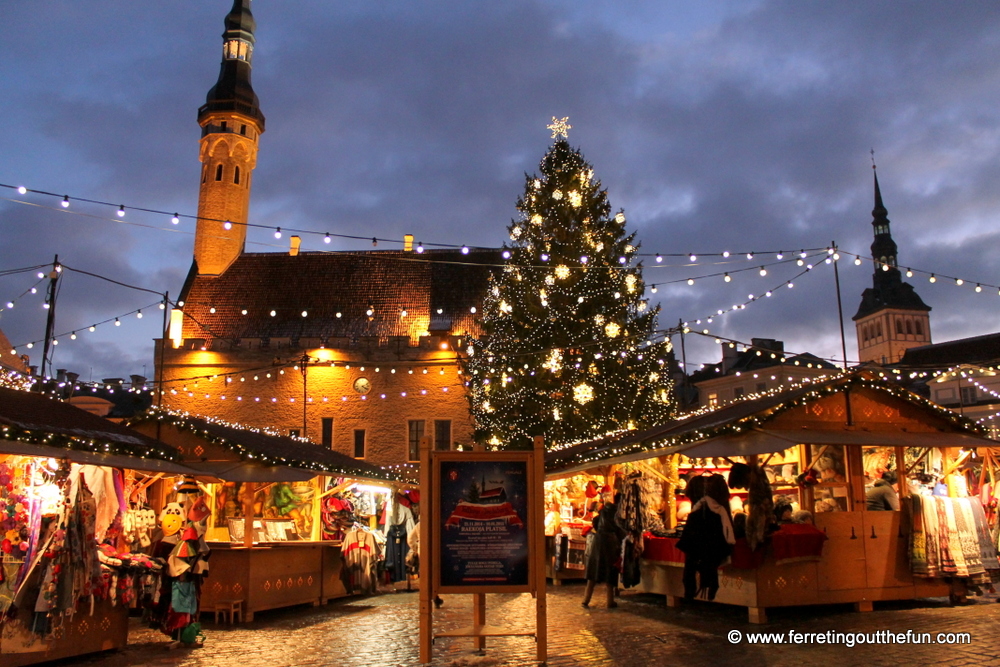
(602, 557)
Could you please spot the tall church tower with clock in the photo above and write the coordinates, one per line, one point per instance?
(231, 124)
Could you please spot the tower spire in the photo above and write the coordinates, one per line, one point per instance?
(231, 124)
(883, 247)
(891, 317)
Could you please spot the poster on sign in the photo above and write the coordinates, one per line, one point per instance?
(484, 540)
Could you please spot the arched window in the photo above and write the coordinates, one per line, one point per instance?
(218, 173)
(919, 328)
(864, 334)
(878, 329)
(236, 176)
(909, 327)
(899, 326)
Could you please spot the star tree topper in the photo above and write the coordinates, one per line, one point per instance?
(560, 126)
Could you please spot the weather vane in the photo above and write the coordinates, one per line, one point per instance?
(560, 126)
(873, 158)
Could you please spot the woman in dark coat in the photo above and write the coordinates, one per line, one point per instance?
(707, 540)
(603, 554)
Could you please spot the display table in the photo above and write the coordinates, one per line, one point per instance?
(566, 572)
(105, 630)
(273, 575)
(849, 557)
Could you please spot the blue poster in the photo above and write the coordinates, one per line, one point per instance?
(484, 516)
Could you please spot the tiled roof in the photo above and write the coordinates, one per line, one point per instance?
(250, 444)
(975, 350)
(322, 284)
(73, 428)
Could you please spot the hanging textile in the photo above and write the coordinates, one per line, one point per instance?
(396, 550)
(361, 554)
(950, 538)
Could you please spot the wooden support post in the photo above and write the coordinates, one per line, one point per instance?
(537, 531)
(902, 485)
(426, 552)
(248, 498)
(479, 617)
(757, 615)
(864, 605)
(673, 601)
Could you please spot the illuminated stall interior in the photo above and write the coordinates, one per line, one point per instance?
(56, 461)
(823, 453)
(290, 522)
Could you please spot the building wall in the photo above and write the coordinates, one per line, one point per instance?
(727, 388)
(884, 336)
(427, 375)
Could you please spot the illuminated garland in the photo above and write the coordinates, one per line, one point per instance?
(84, 444)
(181, 420)
(841, 384)
(14, 380)
(567, 347)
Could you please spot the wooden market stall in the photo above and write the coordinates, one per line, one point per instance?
(811, 443)
(45, 445)
(268, 527)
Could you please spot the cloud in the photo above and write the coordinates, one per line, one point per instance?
(715, 125)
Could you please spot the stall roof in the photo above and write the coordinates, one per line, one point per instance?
(741, 429)
(263, 456)
(31, 422)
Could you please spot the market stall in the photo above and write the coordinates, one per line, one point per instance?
(806, 449)
(68, 572)
(290, 522)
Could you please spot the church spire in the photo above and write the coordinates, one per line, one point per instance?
(231, 124)
(883, 247)
(891, 317)
(233, 91)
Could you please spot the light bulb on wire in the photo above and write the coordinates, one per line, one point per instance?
(121, 211)
(176, 219)
(65, 201)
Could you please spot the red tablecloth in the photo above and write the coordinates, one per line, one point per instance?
(792, 542)
(797, 541)
(665, 549)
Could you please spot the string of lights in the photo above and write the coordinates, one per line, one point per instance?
(9, 305)
(326, 237)
(72, 334)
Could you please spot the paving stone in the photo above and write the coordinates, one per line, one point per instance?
(381, 631)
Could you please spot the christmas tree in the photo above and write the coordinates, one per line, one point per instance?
(567, 349)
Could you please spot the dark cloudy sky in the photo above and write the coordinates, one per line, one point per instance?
(716, 125)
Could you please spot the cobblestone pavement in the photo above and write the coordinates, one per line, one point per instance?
(382, 631)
